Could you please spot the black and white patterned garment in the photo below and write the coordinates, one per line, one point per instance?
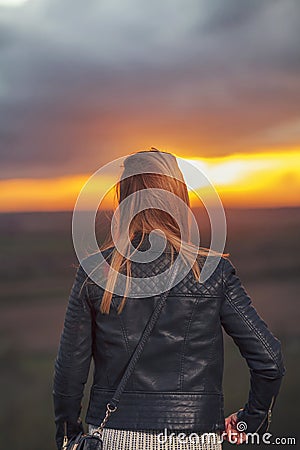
(151, 440)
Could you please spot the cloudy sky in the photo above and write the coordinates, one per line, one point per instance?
(83, 82)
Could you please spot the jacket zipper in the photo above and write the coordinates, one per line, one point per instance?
(270, 413)
(65, 441)
(268, 416)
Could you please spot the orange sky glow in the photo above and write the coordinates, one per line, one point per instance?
(241, 180)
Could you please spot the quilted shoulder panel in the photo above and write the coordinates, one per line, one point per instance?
(146, 275)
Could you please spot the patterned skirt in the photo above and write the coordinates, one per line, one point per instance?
(157, 440)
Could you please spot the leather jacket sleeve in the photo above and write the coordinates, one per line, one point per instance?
(260, 348)
(73, 361)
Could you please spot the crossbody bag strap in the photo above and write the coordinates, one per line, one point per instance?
(113, 404)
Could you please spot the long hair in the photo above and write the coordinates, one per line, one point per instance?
(150, 170)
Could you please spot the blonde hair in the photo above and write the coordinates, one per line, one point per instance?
(163, 173)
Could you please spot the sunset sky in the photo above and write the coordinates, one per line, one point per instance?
(216, 82)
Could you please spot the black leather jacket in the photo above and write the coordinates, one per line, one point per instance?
(177, 383)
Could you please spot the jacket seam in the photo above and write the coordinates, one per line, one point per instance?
(89, 302)
(181, 376)
(58, 394)
(84, 299)
(123, 331)
(93, 319)
(251, 326)
(177, 294)
(159, 393)
(210, 356)
(197, 295)
(85, 305)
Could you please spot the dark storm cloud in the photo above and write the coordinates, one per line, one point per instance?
(232, 14)
(83, 82)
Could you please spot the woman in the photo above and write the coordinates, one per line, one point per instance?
(177, 383)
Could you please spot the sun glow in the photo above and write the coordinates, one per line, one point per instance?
(262, 179)
(251, 180)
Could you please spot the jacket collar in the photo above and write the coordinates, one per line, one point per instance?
(154, 244)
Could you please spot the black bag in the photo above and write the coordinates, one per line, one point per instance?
(93, 441)
(84, 442)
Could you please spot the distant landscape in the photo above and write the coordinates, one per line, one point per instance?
(38, 267)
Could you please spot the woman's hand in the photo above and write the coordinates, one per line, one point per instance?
(232, 434)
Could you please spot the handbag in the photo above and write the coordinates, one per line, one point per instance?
(93, 441)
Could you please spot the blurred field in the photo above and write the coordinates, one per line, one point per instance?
(37, 261)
